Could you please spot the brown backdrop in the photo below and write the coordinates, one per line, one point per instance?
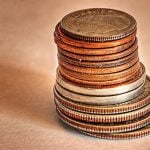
(27, 74)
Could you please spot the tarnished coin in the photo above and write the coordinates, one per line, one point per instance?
(105, 128)
(98, 64)
(98, 70)
(84, 44)
(117, 77)
(98, 24)
(107, 90)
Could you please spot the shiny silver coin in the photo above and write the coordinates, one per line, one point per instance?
(136, 103)
(99, 100)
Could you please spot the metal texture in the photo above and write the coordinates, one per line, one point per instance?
(99, 100)
(136, 103)
(96, 51)
(63, 38)
(107, 90)
(98, 24)
(98, 118)
(119, 76)
(99, 64)
(105, 128)
(108, 57)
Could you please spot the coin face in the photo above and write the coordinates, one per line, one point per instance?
(98, 24)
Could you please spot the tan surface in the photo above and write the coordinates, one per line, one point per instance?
(27, 74)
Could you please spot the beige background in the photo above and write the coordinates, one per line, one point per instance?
(27, 73)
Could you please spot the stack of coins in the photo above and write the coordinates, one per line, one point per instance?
(101, 87)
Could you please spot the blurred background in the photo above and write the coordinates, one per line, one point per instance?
(28, 60)
(27, 26)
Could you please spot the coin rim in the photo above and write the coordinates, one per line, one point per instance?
(100, 118)
(100, 38)
(106, 109)
(127, 86)
(104, 128)
(85, 44)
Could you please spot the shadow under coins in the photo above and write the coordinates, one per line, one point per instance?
(27, 95)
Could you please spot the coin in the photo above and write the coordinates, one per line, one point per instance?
(121, 76)
(58, 33)
(98, 118)
(99, 100)
(98, 24)
(101, 87)
(102, 84)
(107, 90)
(105, 128)
(142, 100)
(108, 57)
(98, 64)
(121, 136)
(96, 51)
(103, 118)
(98, 70)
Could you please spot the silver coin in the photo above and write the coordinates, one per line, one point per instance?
(110, 118)
(136, 103)
(105, 128)
(99, 100)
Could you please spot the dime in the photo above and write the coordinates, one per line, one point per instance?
(108, 57)
(98, 118)
(99, 64)
(58, 33)
(105, 128)
(99, 100)
(142, 100)
(107, 90)
(98, 24)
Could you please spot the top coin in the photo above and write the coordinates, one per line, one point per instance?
(98, 25)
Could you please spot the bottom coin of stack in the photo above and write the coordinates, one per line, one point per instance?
(110, 113)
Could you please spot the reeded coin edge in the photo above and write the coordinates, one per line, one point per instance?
(114, 118)
(108, 109)
(121, 136)
(105, 128)
(96, 38)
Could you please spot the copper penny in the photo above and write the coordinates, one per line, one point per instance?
(105, 77)
(100, 57)
(96, 51)
(102, 83)
(101, 64)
